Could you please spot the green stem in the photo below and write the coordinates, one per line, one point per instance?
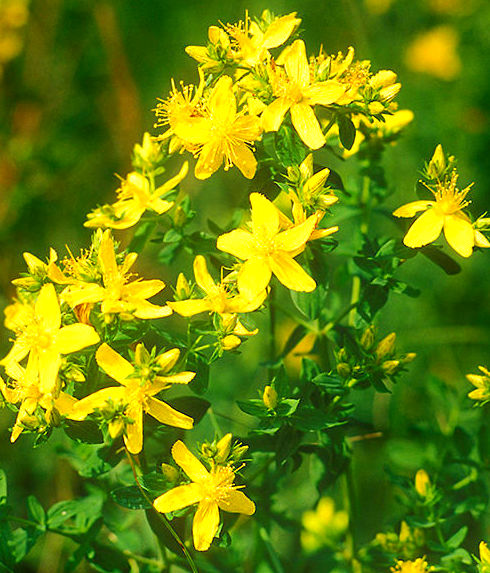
(349, 499)
(162, 518)
(264, 536)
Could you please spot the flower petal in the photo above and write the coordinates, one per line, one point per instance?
(113, 363)
(273, 114)
(481, 241)
(174, 181)
(459, 234)
(202, 276)
(75, 337)
(324, 93)
(265, 217)
(147, 310)
(279, 30)
(296, 64)
(48, 307)
(188, 462)
(237, 502)
(222, 102)
(167, 415)
(98, 399)
(74, 295)
(210, 159)
(49, 362)
(205, 525)
(290, 273)
(190, 307)
(178, 498)
(242, 156)
(107, 259)
(296, 237)
(425, 229)
(239, 243)
(307, 126)
(133, 437)
(254, 276)
(410, 209)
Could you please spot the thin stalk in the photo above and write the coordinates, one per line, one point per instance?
(276, 564)
(349, 500)
(162, 518)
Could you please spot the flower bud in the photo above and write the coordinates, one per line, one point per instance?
(367, 338)
(422, 483)
(223, 448)
(170, 473)
(343, 369)
(182, 288)
(53, 417)
(230, 342)
(409, 357)
(386, 346)
(116, 427)
(168, 359)
(269, 397)
(390, 366)
(179, 216)
(437, 165)
(390, 92)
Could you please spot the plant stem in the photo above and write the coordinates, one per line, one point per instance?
(264, 535)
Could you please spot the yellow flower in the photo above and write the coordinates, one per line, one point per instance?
(223, 134)
(116, 294)
(422, 483)
(212, 490)
(434, 52)
(323, 525)
(25, 389)
(482, 385)
(45, 340)
(134, 198)
(446, 212)
(484, 558)
(417, 566)
(254, 43)
(218, 296)
(267, 250)
(139, 384)
(212, 56)
(295, 92)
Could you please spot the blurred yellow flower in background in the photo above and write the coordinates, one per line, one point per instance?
(417, 566)
(323, 526)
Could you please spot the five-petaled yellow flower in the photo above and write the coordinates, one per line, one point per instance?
(46, 341)
(267, 250)
(417, 566)
(116, 294)
(139, 385)
(223, 134)
(212, 490)
(297, 93)
(134, 198)
(445, 213)
(218, 296)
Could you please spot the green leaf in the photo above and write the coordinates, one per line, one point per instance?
(130, 497)
(155, 482)
(347, 131)
(309, 370)
(458, 538)
(156, 522)
(108, 560)
(253, 407)
(310, 303)
(193, 406)
(141, 235)
(286, 407)
(81, 513)
(3, 487)
(85, 431)
(200, 382)
(289, 148)
(309, 418)
(445, 262)
(35, 512)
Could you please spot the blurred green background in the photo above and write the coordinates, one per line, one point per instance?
(78, 81)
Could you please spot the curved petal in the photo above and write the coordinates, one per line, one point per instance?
(202, 276)
(18, 352)
(242, 156)
(254, 276)
(279, 30)
(75, 337)
(190, 307)
(296, 237)
(133, 437)
(425, 229)
(296, 64)
(290, 273)
(265, 217)
(80, 294)
(64, 403)
(160, 206)
(167, 415)
(49, 362)
(459, 234)
(237, 502)
(210, 159)
(481, 241)
(193, 468)
(410, 209)
(147, 310)
(87, 405)
(113, 363)
(161, 382)
(178, 498)
(195, 130)
(307, 126)
(142, 288)
(205, 525)
(324, 93)
(273, 114)
(316, 181)
(174, 181)
(239, 243)
(48, 308)
(222, 102)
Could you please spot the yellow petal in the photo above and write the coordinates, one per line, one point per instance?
(143, 289)
(64, 403)
(113, 363)
(254, 276)
(481, 241)
(246, 128)
(48, 307)
(133, 437)
(238, 243)
(87, 405)
(296, 64)
(317, 181)
(296, 237)
(49, 365)
(18, 352)
(189, 463)
(459, 234)
(242, 156)
(147, 310)
(210, 159)
(280, 30)
(411, 209)
(74, 337)
(196, 130)
(167, 415)
(425, 229)
(324, 93)
(107, 259)
(178, 498)
(203, 278)
(222, 102)
(484, 553)
(160, 206)
(86, 293)
(178, 378)
(205, 525)
(237, 502)
(290, 273)
(273, 114)
(265, 217)
(174, 181)
(190, 307)
(307, 126)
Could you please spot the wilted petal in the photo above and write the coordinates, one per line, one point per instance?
(74, 337)
(290, 273)
(411, 209)
(237, 502)
(178, 498)
(238, 243)
(193, 468)
(425, 229)
(459, 234)
(307, 126)
(167, 415)
(205, 525)
(113, 363)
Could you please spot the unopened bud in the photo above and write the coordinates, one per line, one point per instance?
(422, 483)
(182, 288)
(53, 417)
(389, 93)
(386, 346)
(437, 165)
(342, 355)
(170, 473)
(390, 366)
(409, 357)
(179, 216)
(230, 342)
(239, 452)
(116, 427)
(367, 338)
(269, 397)
(223, 448)
(376, 107)
(168, 360)
(383, 79)
(343, 369)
